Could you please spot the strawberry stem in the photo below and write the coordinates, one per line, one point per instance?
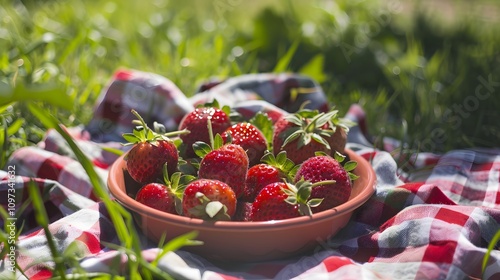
(138, 116)
(210, 133)
(321, 183)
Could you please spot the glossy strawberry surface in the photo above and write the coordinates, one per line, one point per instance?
(146, 159)
(259, 176)
(157, 196)
(250, 138)
(228, 164)
(270, 204)
(323, 168)
(197, 124)
(213, 190)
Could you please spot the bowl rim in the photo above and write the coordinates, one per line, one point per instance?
(355, 202)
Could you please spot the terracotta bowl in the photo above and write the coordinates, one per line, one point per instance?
(230, 241)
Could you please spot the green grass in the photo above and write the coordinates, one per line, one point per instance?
(397, 58)
(417, 69)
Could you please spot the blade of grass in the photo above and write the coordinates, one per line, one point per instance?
(177, 243)
(284, 62)
(43, 220)
(121, 218)
(491, 246)
(52, 94)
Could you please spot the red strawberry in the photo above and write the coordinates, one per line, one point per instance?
(196, 123)
(324, 168)
(303, 134)
(274, 169)
(278, 201)
(157, 196)
(250, 138)
(227, 163)
(209, 200)
(165, 196)
(259, 176)
(150, 152)
(338, 140)
(243, 211)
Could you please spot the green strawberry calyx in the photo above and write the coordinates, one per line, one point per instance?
(209, 210)
(142, 133)
(348, 166)
(201, 148)
(299, 194)
(285, 165)
(176, 183)
(307, 129)
(309, 126)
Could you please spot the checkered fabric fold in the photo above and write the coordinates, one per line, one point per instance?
(435, 223)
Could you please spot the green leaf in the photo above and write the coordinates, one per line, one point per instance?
(491, 247)
(111, 150)
(218, 141)
(269, 158)
(353, 176)
(307, 113)
(187, 239)
(339, 157)
(213, 208)
(131, 137)
(50, 93)
(295, 119)
(315, 202)
(305, 139)
(281, 158)
(213, 104)
(74, 249)
(314, 68)
(350, 165)
(201, 149)
(320, 140)
(265, 125)
(296, 134)
(320, 153)
(291, 200)
(303, 193)
(42, 220)
(15, 126)
(175, 178)
(288, 165)
(285, 60)
(186, 179)
(226, 109)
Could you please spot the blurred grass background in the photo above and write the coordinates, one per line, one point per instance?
(426, 72)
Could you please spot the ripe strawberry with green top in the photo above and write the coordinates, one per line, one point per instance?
(225, 162)
(229, 164)
(323, 168)
(165, 196)
(250, 138)
(272, 170)
(150, 151)
(281, 200)
(157, 196)
(196, 123)
(306, 132)
(209, 199)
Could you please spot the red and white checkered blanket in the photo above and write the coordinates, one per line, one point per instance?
(433, 224)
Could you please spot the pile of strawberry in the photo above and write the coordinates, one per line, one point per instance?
(220, 167)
